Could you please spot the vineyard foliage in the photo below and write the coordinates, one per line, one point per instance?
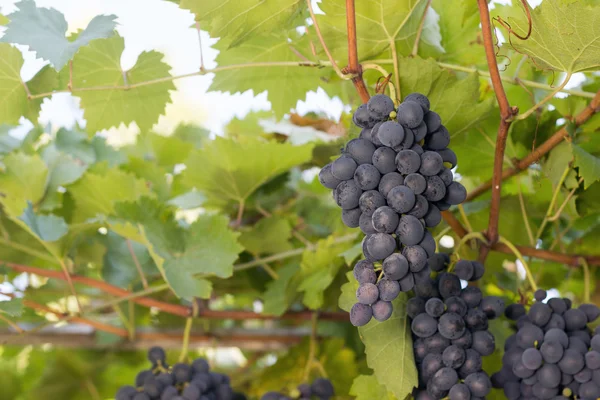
(239, 220)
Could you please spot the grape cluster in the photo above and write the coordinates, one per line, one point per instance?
(320, 389)
(450, 332)
(392, 182)
(181, 381)
(553, 354)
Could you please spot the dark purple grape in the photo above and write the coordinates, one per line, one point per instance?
(492, 306)
(421, 207)
(381, 245)
(471, 365)
(408, 162)
(529, 336)
(455, 193)
(464, 269)
(449, 285)
(454, 356)
(385, 220)
(360, 150)
(532, 358)
(390, 181)
(351, 217)
(416, 182)
(395, 266)
(382, 310)
(384, 159)
(436, 190)
(343, 168)
(514, 311)
(328, 180)
(424, 325)
(410, 231)
(322, 388)
(364, 272)
(446, 176)
(407, 283)
(479, 384)
(451, 326)
(540, 314)
(428, 243)
(388, 289)
(540, 295)
(433, 216)
(592, 311)
(391, 134)
(420, 99)
(401, 199)
(360, 314)
(438, 140)
(456, 305)
(431, 163)
(472, 296)
(416, 256)
(367, 177)
(449, 157)
(435, 307)
(557, 335)
(347, 194)
(365, 223)
(431, 364)
(367, 293)
(380, 106)
(420, 132)
(410, 114)
(363, 118)
(575, 319)
(370, 201)
(433, 121)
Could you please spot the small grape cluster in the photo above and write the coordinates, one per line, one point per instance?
(553, 354)
(321, 389)
(392, 183)
(450, 332)
(180, 382)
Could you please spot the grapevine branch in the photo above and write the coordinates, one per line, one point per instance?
(543, 149)
(506, 113)
(572, 260)
(174, 309)
(353, 65)
(415, 49)
(283, 64)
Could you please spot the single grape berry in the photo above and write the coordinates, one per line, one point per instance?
(157, 356)
(410, 114)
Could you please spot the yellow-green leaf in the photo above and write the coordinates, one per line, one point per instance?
(564, 36)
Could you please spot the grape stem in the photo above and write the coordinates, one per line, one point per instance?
(471, 235)
(586, 279)
(552, 203)
(377, 67)
(186, 339)
(353, 66)
(415, 49)
(543, 149)
(518, 254)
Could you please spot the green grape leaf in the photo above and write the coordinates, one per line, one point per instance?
(211, 248)
(169, 150)
(207, 247)
(63, 169)
(449, 96)
(119, 267)
(8, 143)
(318, 269)
(13, 98)
(366, 387)
(280, 292)
(389, 350)
(588, 164)
(225, 170)
(191, 134)
(3, 20)
(44, 29)
(564, 37)
(379, 25)
(458, 23)
(269, 235)
(558, 160)
(587, 202)
(23, 180)
(285, 84)
(49, 228)
(240, 20)
(352, 253)
(12, 307)
(97, 192)
(348, 296)
(107, 108)
(44, 81)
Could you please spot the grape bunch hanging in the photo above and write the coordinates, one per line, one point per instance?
(553, 354)
(182, 381)
(450, 331)
(392, 182)
(321, 389)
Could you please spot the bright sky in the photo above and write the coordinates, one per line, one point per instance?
(163, 26)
